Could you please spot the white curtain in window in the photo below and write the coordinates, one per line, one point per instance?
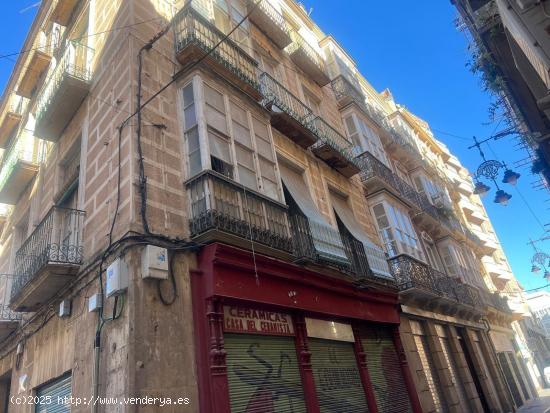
(326, 239)
(375, 255)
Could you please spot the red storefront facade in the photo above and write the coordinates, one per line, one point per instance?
(276, 301)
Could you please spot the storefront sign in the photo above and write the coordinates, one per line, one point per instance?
(329, 330)
(501, 341)
(247, 320)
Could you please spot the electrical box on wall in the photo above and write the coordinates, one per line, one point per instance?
(94, 303)
(65, 308)
(117, 278)
(154, 262)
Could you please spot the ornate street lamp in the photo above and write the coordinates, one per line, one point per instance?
(489, 169)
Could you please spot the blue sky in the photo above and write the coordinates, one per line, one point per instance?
(414, 49)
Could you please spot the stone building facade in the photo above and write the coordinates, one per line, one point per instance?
(239, 223)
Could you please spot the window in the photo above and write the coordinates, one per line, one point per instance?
(266, 159)
(215, 109)
(364, 138)
(191, 131)
(425, 186)
(312, 101)
(227, 15)
(453, 259)
(396, 230)
(243, 147)
(432, 255)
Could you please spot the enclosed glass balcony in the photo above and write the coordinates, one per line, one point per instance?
(48, 259)
(196, 37)
(19, 165)
(63, 93)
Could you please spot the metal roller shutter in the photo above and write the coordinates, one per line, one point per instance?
(505, 365)
(53, 393)
(385, 371)
(263, 374)
(337, 380)
(428, 365)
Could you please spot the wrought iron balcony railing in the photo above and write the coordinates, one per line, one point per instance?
(220, 204)
(16, 104)
(343, 89)
(7, 314)
(192, 29)
(358, 255)
(75, 63)
(270, 21)
(373, 168)
(25, 147)
(330, 137)
(56, 240)
(305, 246)
(298, 42)
(411, 273)
(276, 94)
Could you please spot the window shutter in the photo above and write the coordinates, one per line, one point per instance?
(53, 393)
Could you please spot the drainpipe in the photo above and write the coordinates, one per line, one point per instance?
(95, 373)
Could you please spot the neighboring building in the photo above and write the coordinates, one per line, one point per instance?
(512, 50)
(539, 304)
(268, 233)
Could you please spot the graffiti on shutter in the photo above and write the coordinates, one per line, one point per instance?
(263, 374)
(337, 380)
(385, 370)
(54, 396)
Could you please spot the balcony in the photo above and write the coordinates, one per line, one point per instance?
(361, 258)
(319, 250)
(495, 302)
(64, 91)
(485, 16)
(346, 92)
(334, 149)
(270, 21)
(421, 284)
(49, 258)
(35, 65)
(62, 11)
(19, 166)
(9, 321)
(11, 117)
(288, 114)
(307, 59)
(195, 36)
(223, 210)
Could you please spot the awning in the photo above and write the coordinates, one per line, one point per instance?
(375, 254)
(326, 239)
